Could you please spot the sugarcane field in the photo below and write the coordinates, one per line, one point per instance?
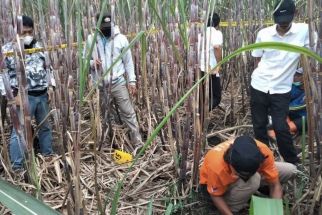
(175, 107)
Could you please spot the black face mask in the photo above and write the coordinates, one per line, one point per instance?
(245, 178)
(106, 31)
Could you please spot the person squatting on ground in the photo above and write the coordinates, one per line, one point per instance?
(298, 105)
(40, 86)
(297, 108)
(271, 81)
(102, 59)
(211, 54)
(235, 169)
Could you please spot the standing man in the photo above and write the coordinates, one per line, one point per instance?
(271, 81)
(40, 84)
(210, 55)
(235, 169)
(108, 47)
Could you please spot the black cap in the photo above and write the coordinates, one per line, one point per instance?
(106, 20)
(284, 12)
(27, 21)
(245, 155)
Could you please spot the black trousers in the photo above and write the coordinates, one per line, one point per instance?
(278, 106)
(214, 91)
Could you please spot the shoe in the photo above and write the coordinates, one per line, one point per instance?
(137, 149)
(136, 138)
(50, 157)
(137, 142)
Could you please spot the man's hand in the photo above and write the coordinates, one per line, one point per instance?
(51, 94)
(221, 205)
(18, 99)
(257, 60)
(132, 88)
(216, 71)
(98, 62)
(275, 190)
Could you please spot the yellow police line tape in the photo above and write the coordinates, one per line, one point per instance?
(151, 31)
(246, 23)
(34, 50)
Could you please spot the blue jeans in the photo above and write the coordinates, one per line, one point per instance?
(38, 107)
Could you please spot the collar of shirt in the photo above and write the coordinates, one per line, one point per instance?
(104, 40)
(292, 30)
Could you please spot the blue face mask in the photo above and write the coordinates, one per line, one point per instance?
(297, 84)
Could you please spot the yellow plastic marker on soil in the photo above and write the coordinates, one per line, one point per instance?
(121, 157)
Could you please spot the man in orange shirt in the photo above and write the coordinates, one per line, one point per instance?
(234, 170)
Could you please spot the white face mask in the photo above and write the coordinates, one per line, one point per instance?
(27, 40)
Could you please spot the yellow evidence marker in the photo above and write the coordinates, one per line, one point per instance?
(121, 157)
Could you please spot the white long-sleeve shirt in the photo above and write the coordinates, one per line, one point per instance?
(103, 52)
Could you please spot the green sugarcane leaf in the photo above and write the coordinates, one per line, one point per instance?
(263, 45)
(150, 208)
(169, 209)
(22, 203)
(266, 206)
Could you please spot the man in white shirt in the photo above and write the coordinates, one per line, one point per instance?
(271, 81)
(210, 57)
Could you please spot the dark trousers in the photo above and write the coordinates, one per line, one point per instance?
(214, 91)
(278, 105)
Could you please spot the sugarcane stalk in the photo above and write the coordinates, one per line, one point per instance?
(309, 105)
(95, 136)
(24, 107)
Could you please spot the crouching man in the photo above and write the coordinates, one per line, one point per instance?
(234, 170)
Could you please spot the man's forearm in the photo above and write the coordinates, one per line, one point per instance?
(257, 60)
(276, 190)
(221, 205)
(218, 54)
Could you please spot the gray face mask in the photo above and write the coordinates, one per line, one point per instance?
(27, 40)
